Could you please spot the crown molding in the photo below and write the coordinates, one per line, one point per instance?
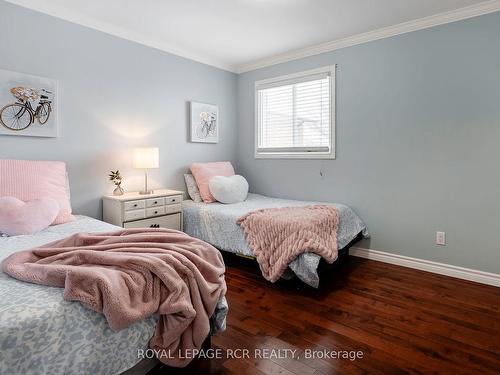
(107, 28)
(480, 9)
(385, 32)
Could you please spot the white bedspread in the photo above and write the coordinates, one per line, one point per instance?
(215, 223)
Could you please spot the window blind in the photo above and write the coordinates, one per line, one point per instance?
(294, 115)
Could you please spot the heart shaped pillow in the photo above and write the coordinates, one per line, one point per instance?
(18, 217)
(231, 189)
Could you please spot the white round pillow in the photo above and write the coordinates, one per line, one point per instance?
(229, 189)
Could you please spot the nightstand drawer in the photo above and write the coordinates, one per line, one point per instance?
(167, 221)
(173, 208)
(154, 202)
(155, 211)
(134, 215)
(173, 199)
(134, 205)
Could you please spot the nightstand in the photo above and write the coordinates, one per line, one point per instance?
(162, 209)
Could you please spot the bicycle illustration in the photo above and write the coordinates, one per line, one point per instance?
(207, 125)
(32, 105)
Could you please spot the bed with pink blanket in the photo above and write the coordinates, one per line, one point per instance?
(217, 224)
(43, 331)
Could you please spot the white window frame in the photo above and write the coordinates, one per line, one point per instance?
(296, 153)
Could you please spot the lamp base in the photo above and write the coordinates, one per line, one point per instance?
(146, 191)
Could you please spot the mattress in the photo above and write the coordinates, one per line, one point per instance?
(215, 223)
(40, 333)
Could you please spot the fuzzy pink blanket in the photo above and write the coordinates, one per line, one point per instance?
(278, 235)
(132, 274)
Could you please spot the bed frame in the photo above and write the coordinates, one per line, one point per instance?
(249, 262)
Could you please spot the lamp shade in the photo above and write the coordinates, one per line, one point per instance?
(146, 157)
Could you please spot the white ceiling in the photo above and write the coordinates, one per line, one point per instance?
(239, 34)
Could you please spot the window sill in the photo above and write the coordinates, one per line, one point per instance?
(295, 155)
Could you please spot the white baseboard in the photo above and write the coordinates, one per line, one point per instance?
(427, 265)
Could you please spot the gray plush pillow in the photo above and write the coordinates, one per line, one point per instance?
(192, 188)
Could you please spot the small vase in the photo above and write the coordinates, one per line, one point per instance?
(118, 191)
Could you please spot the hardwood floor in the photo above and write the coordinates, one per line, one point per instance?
(403, 320)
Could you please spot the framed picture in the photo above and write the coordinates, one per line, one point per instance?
(204, 123)
(28, 105)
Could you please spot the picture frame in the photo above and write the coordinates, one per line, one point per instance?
(204, 123)
(28, 105)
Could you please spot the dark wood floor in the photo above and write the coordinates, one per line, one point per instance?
(403, 320)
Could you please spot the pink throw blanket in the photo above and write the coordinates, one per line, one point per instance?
(278, 235)
(131, 274)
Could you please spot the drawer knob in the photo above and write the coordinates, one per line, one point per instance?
(135, 205)
(156, 202)
(156, 212)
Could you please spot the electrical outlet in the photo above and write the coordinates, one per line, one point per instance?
(441, 238)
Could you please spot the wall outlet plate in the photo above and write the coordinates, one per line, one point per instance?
(441, 238)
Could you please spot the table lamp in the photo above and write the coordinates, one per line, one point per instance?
(146, 158)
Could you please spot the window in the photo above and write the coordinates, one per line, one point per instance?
(295, 116)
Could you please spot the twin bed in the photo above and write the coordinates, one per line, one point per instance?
(41, 333)
(216, 223)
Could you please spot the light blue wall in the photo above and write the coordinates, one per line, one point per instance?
(114, 95)
(418, 126)
(418, 141)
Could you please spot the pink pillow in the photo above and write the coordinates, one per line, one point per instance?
(18, 217)
(203, 172)
(28, 180)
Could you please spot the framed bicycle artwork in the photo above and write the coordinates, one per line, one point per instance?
(27, 105)
(204, 123)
